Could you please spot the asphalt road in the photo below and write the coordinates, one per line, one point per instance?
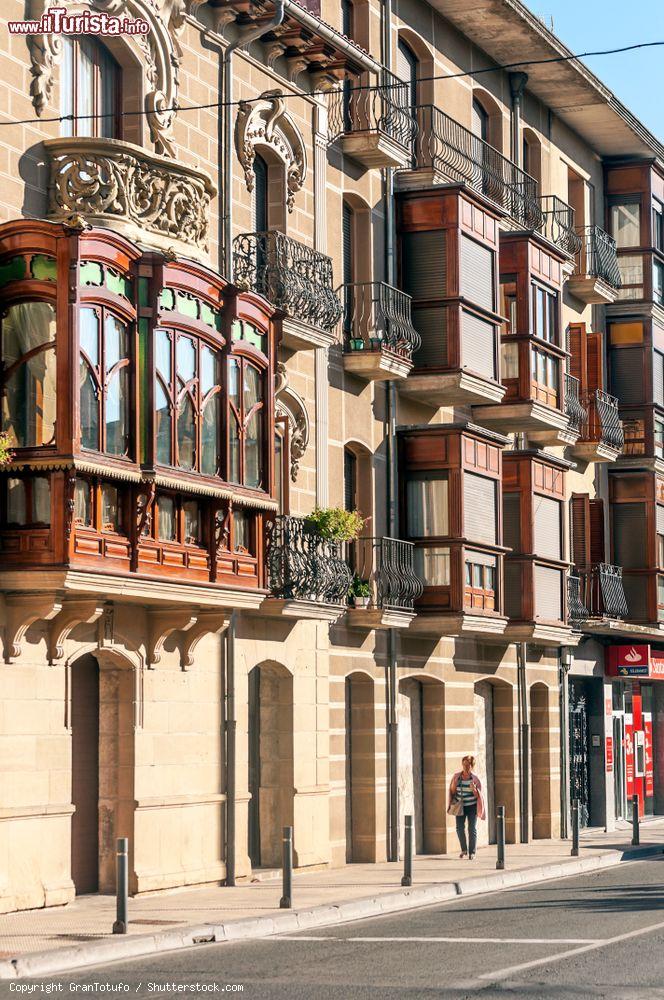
(596, 935)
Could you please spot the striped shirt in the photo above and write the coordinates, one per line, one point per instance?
(465, 791)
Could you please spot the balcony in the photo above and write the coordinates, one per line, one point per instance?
(446, 151)
(601, 438)
(153, 200)
(374, 125)
(596, 279)
(557, 224)
(379, 336)
(296, 279)
(576, 609)
(387, 566)
(577, 416)
(308, 574)
(602, 593)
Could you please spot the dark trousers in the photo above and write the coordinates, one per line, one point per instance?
(469, 813)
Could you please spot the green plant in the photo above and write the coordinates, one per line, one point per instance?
(359, 587)
(5, 450)
(335, 523)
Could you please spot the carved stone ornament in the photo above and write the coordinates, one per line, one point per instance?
(159, 51)
(265, 122)
(292, 406)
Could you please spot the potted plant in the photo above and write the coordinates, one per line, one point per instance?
(360, 592)
(356, 344)
(335, 523)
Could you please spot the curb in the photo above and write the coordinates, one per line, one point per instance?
(96, 953)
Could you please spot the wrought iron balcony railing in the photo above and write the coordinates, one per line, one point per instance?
(576, 609)
(558, 224)
(294, 277)
(574, 409)
(386, 108)
(387, 565)
(604, 423)
(377, 317)
(302, 565)
(597, 256)
(603, 592)
(444, 145)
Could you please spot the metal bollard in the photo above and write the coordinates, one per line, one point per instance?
(122, 886)
(286, 901)
(575, 828)
(500, 838)
(407, 878)
(635, 821)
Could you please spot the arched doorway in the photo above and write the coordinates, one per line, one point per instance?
(540, 756)
(421, 756)
(360, 769)
(494, 750)
(85, 774)
(271, 773)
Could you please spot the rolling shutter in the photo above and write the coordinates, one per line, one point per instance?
(424, 264)
(629, 535)
(478, 345)
(479, 508)
(513, 589)
(431, 324)
(407, 70)
(259, 200)
(627, 382)
(660, 518)
(548, 537)
(477, 273)
(350, 480)
(658, 378)
(636, 595)
(512, 521)
(548, 593)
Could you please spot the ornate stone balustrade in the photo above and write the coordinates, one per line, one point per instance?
(149, 198)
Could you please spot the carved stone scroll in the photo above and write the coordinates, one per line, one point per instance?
(22, 611)
(207, 623)
(161, 623)
(291, 405)
(73, 613)
(265, 122)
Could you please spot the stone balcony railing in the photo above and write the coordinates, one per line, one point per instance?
(151, 199)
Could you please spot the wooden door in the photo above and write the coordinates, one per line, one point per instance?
(85, 774)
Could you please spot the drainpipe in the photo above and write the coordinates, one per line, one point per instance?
(518, 83)
(244, 38)
(230, 726)
(565, 662)
(524, 738)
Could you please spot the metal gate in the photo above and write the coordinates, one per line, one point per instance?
(579, 764)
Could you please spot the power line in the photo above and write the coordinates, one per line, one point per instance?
(522, 64)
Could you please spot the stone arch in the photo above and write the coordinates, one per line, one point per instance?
(265, 126)
(495, 752)
(425, 64)
(422, 780)
(270, 761)
(540, 760)
(360, 752)
(496, 119)
(158, 53)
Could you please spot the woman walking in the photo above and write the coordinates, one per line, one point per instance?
(466, 802)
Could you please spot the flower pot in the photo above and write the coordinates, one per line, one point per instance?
(360, 602)
(356, 344)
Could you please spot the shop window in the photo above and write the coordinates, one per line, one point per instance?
(89, 89)
(29, 374)
(187, 403)
(104, 381)
(28, 501)
(427, 505)
(626, 223)
(245, 423)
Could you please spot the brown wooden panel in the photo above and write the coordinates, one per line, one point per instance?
(594, 353)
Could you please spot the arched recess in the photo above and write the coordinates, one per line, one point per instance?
(270, 761)
(102, 713)
(264, 126)
(532, 154)
(494, 751)
(361, 821)
(412, 45)
(421, 756)
(540, 760)
(487, 119)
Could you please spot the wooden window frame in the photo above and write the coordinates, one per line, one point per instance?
(103, 379)
(6, 373)
(245, 354)
(96, 132)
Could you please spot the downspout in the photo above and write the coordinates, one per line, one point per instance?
(524, 738)
(230, 726)
(244, 38)
(518, 83)
(564, 665)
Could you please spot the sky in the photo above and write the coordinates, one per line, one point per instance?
(634, 77)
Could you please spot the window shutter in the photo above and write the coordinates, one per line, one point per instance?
(424, 264)
(548, 537)
(594, 356)
(580, 510)
(347, 244)
(479, 121)
(350, 480)
(629, 535)
(259, 201)
(548, 593)
(407, 70)
(658, 378)
(476, 273)
(478, 345)
(512, 521)
(513, 589)
(597, 550)
(431, 324)
(576, 335)
(660, 519)
(479, 508)
(627, 381)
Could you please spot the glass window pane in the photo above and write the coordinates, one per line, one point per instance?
(166, 519)
(88, 333)
(24, 327)
(252, 387)
(510, 360)
(82, 503)
(16, 512)
(41, 500)
(432, 565)
(191, 523)
(67, 84)
(163, 354)
(186, 358)
(115, 341)
(117, 413)
(625, 225)
(233, 450)
(163, 426)
(210, 437)
(477, 576)
(469, 574)
(85, 87)
(253, 451)
(208, 370)
(89, 407)
(241, 531)
(109, 89)
(186, 431)
(110, 511)
(234, 382)
(552, 373)
(427, 504)
(29, 402)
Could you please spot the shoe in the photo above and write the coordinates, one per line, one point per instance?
(471, 857)
(463, 855)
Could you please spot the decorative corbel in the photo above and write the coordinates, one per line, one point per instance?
(73, 613)
(22, 611)
(161, 623)
(273, 50)
(207, 623)
(296, 65)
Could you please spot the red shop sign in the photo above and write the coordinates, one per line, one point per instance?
(608, 743)
(649, 775)
(635, 661)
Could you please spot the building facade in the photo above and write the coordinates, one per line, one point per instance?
(286, 258)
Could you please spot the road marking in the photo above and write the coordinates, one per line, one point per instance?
(524, 966)
(445, 940)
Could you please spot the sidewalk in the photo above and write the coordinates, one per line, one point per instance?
(39, 942)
